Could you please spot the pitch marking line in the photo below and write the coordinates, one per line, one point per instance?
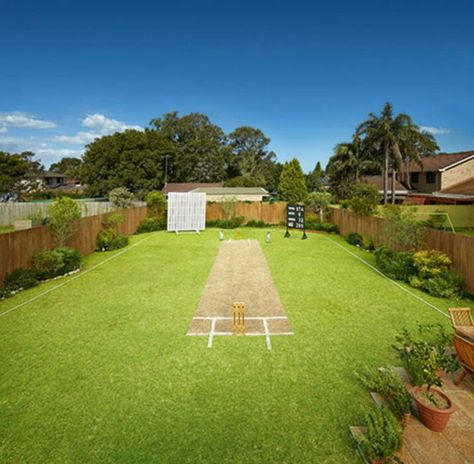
(80, 274)
(432, 306)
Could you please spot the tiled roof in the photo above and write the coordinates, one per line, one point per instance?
(440, 162)
(188, 186)
(378, 182)
(232, 190)
(465, 187)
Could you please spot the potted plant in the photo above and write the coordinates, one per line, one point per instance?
(386, 382)
(423, 360)
(382, 438)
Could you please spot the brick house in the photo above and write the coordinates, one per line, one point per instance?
(440, 173)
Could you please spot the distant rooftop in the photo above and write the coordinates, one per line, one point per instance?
(440, 162)
(232, 190)
(378, 182)
(188, 186)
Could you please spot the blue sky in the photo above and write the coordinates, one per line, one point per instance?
(304, 72)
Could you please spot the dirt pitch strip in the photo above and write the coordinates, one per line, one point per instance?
(240, 274)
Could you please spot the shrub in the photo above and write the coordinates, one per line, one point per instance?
(447, 286)
(233, 223)
(365, 199)
(383, 437)
(156, 204)
(355, 239)
(113, 220)
(386, 382)
(121, 197)
(64, 215)
(72, 259)
(4, 293)
(431, 263)
(109, 239)
(399, 266)
(47, 264)
(20, 279)
(318, 202)
(151, 224)
(403, 228)
(368, 244)
(258, 224)
(323, 226)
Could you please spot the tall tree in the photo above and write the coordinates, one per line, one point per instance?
(292, 186)
(199, 147)
(314, 179)
(386, 137)
(249, 157)
(131, 159)
(14, 169)
(69, 166)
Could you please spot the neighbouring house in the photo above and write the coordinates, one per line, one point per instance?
(400, 191)
(217, 192)
(234, 193)
(183, 187)
(439, 173)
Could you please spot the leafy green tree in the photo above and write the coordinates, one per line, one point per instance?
(199, 152)
(292, 186)
(14, 168)
(319, 202)
(69, 166)
(131, 159)
(365, 199)
(156, 204)
(121, 197)
(314, 180)
(242, 181)
(249, 156)
(390, 139)
(64, 215)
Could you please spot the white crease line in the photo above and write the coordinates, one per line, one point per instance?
(211, 335)
(388, 278)
(75, 277)
(248, 334)
(252, 318)
(267, 335)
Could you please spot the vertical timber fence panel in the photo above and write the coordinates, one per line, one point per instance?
(252, 211)
(459, 248)
(17, 248)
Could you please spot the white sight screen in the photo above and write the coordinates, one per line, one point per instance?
(186, 211)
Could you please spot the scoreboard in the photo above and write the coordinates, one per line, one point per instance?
(295, 219)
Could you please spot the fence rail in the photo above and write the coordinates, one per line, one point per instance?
(459, 248)
(255, 211)
(17, 248)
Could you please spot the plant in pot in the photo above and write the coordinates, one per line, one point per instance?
(387, 383)
(424, 358)
(383, 436)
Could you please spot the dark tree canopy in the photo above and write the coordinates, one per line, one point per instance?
(69, 166)
(130, 159)
(292, 186)
(314, 180)
(14, 167)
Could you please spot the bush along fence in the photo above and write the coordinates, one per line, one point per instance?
(374, 232)
(18, 248)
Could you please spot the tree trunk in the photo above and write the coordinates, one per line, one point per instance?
(321, 215)
(394, 176)
(385, 177)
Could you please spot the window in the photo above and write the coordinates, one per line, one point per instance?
(414, 177)
(430, 177)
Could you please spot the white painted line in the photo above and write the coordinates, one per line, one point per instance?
(267, 335)
(248, 334)
(211, 335)
(394, 282)
(37, 297)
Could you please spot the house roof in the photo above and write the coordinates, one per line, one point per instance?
(466, 187)
(232, 190)
(188, 186)
(441, 162)
(378, 182)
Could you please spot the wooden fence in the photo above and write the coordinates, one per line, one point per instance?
(17, 248)
(459, 248)
(253, 211)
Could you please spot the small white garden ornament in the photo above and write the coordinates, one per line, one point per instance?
(268, 237)
(221, 235)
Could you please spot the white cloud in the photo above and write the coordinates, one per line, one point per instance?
(435, 130)
(18, 119)
(57, 152)
(105, 125)
(3, 130)
(81, 138)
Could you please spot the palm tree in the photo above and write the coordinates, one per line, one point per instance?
(393, 140)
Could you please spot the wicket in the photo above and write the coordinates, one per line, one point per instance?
(238, 318)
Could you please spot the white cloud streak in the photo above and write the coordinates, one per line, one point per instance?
(81, 138)
(435, 130)
(106, 125)
(18, 119)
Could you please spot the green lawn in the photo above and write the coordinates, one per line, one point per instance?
(100, 370)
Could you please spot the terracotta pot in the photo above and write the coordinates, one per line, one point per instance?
(434, 418)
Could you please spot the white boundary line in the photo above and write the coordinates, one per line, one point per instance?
(388, 278)
(37, 297)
